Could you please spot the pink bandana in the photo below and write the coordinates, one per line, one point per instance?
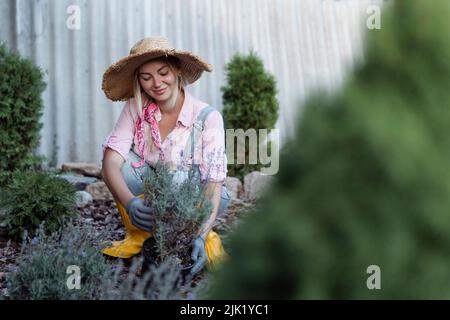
(149, 116)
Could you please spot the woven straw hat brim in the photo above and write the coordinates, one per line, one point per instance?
(118, 78)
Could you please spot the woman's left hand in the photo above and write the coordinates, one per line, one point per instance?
(199, 255)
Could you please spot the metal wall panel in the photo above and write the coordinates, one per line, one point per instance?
(306, 44)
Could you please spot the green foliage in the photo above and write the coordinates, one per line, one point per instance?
(250, 102)
(33, 197)
(365, 182)
(181, 209)
(21, 86)
(42, 268)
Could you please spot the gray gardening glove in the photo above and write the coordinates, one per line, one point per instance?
(199, 255)
(140, 215)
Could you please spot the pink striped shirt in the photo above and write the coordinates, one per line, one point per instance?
(209, 151)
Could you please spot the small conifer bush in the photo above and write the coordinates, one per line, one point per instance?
(249, 102)
(21, 107)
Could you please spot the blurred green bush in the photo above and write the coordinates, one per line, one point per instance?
(366, 181)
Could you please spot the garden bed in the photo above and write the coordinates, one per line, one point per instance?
(103, 215)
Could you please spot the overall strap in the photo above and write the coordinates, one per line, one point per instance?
(197, 130)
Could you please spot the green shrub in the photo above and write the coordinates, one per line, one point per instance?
(42, 268)
(33, 197)
(21, 86)
(249, 100)
(365, 182)
(181, 209)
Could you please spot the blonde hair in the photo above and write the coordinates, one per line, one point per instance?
(137, 91)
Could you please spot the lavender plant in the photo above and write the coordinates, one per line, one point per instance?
(181, 209)
(41, 270)
(158, 282)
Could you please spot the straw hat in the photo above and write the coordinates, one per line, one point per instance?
(118, 78)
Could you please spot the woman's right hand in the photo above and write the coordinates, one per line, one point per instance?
(140, 215)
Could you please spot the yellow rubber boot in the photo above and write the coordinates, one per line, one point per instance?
(214, 250)
(134, 237)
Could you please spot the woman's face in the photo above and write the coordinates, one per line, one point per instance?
(158, 80)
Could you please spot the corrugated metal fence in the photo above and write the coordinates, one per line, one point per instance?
(305, 43)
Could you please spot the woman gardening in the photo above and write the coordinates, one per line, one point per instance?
(161, 122)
